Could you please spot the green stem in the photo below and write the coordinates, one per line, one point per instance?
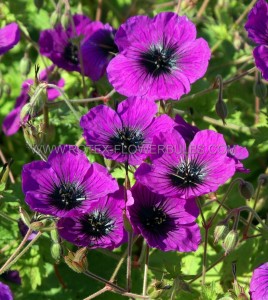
(86, 100)
(68, 103)
(204, 267)
(215, 86)
(224, 198)
(251, 216)
(17, 256)
(115, 288)
(209, 268)
(8, 218)
(146, 267)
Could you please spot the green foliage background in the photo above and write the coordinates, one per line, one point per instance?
(232, 54)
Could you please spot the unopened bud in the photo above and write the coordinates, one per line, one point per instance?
(7, 89)
(33, 135)
(127, 224)
(39, 3)
(230, 241)
(221, 110)
(56, 251)
(77, 261)
(25, 112)
(38, 97)
(157, 289)
(246, 190)
(65, 20)
(54, 235)
(242, 296)
(54, 18)
(25, 65)
(220, 232)
(25, 217)
(38, 225)
(260, 89)
(263, 179)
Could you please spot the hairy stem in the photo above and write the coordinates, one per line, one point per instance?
(146, 267)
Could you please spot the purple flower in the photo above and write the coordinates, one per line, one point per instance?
(236, 152)
(259, 283)
(166, 223)
(101, 226)
(12, 276)
(125, 134)
(23, 228)
(66, 184)
(257, 28)
(186, 130)
(5, 292)
(98, 50)
(12, 122)
(9, 37)
(159, 58)
(178, 171)
(60, 45)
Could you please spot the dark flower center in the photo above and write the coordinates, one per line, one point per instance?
(98, 224)
(127, 140)
(154, 219)
(67, 196)
(71, 53)
(188, 174)
(109, 45)
(159, 60)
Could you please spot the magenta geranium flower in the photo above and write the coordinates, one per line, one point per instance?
(236, 152)
(257, 28)
(60, 45)
(12, 122)
(259, 283)
(101, 226)
(177, 170)
(98, 50)
(9, 37)
(66, 184)
(159, 58)
(5, 292)
(125, 134)
(166, 223)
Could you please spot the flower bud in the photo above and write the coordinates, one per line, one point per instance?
(263, 179)
(54, 18)
(260, 89)
(33, 135)
(220, 231)
(230, 241)
(39, 4)
(25, 217)
(242, 296)
(38, 225)
(25, 112)
(65, 20)
(25, 65)
(54, 235)
(56, 251)
(157, 289)
(246, 190)
(221, 110)
(77, 261)
(80, 258)
(127, 224)
(7, 89)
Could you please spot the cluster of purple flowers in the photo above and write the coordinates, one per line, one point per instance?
(146, 59)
